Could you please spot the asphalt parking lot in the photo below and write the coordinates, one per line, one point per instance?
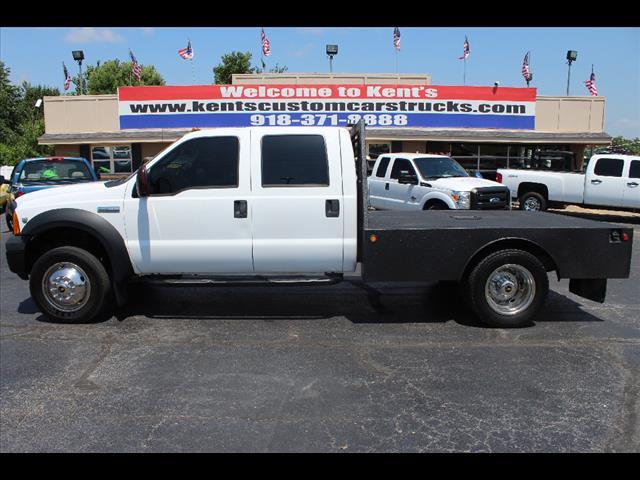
(324, 369)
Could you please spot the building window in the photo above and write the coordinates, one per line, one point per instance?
(111, 159)
(374, 150)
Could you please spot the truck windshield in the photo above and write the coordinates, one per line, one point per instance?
(439, 167)
(55, 171)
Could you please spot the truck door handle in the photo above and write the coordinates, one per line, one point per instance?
(332, 208)
(596, 182)
(240, 209)
(632, 184)
(386, 186)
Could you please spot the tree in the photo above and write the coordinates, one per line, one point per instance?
(21, 123)
(237, 63)
(105, 78)
(621, 145)
(9, 99)
(234, 62)
(276, 69)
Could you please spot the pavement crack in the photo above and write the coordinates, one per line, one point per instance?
(83, 382)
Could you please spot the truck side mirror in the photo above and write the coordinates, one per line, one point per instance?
(407, 177)
(142, 186)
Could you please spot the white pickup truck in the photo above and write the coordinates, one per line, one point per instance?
(274, 205)
(611, 181)
(415, 181)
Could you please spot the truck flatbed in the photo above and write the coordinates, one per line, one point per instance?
(451, 241)
(418, 220)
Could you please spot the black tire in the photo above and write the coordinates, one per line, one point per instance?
(535, 198)
(437, 206)
(479, 301)
(100, 292)
(9, 222)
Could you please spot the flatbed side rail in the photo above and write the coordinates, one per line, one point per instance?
(357, 132)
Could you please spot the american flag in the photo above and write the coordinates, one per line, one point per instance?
(591, 84)
(466, 50)
(135, 66)
(396, 38)
(526, 72)
(186, 53)
(67, 78)
(266, 45)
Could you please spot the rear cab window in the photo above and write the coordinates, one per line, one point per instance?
(55, 170)
(294, 161)
(381, 172)
(609, 167)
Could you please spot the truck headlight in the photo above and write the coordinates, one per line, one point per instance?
(461, 199)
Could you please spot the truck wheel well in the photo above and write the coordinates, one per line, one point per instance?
(506, 244)
(433, 201)
(527, 187)
(65, 237)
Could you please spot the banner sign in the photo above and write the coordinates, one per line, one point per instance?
(430, 106)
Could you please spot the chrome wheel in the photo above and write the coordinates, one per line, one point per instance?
(510, 289)
(532, 204)
(66, 286)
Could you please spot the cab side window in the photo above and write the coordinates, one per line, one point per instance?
(609, 167)
(207, 162)
(381, 172)
(634, 169)
(401, 165)
(294, 161)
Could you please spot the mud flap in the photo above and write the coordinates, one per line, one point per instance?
(591, 289)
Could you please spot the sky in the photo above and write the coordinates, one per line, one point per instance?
(36, 55)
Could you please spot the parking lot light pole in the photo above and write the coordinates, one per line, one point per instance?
(572, 55)
(331, 51)
(78, 56)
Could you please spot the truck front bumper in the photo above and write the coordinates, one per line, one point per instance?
(15, 247)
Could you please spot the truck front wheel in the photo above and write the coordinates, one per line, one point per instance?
(507, 288)
(69, 285)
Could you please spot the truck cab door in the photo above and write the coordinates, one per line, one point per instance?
(402, 196)
(631, 195)
(297, 204)
(196, 218)
(604, 183)
(378, 182)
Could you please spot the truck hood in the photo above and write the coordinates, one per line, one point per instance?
(462, 184)
(65, 194)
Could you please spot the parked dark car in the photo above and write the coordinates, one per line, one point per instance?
(32, 174)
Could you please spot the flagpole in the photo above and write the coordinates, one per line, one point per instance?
(464, 74)
(193, 70)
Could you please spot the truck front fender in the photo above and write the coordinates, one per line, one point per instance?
(94, 225)
(443, 197)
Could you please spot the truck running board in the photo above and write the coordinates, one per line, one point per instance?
(236, 280)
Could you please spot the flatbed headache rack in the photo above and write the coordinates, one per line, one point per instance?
(358, 136)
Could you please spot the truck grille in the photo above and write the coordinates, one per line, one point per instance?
(490, 198)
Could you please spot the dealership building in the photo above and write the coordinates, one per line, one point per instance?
(560, 132)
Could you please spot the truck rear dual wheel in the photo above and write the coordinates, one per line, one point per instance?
(507, 288)
(69, 285)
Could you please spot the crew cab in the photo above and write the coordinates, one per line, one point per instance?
(284, 205)
(611, 181)
(414, 181)
(33, 174)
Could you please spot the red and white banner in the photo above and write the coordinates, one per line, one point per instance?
(380, 105)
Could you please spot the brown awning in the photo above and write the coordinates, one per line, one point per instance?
(384, 134)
